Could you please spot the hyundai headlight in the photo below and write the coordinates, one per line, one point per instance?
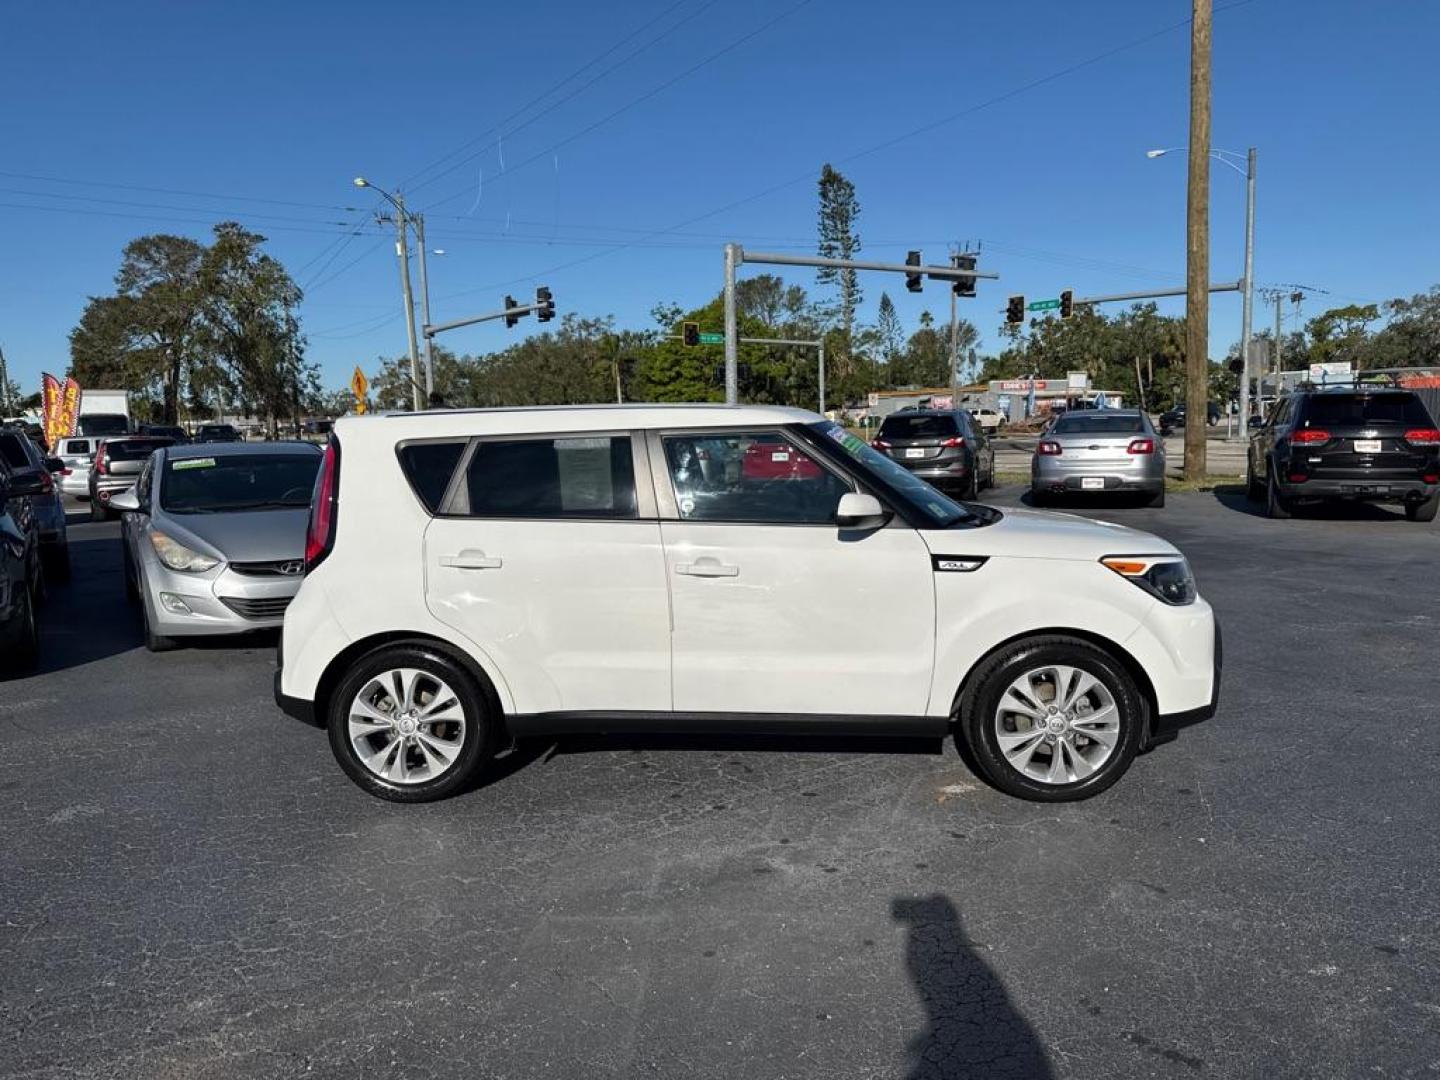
(1166, 578)
(177, 556)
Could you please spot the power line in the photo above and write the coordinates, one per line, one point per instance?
(174, 191)
(318, 285)
(208, 222)
(160, 206)
(642, 98)
(556, 104)
(1070, 69)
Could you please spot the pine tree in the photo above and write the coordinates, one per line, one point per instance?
(839, 210)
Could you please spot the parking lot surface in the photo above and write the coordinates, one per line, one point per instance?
(191, 888)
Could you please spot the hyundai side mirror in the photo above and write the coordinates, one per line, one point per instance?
(859, 511)
(125, 500)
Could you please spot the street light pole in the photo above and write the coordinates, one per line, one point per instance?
(402, 248)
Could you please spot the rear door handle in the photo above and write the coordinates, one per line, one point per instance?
(471, 559)
(707, 567)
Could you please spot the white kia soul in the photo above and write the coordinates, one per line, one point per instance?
(475, 577)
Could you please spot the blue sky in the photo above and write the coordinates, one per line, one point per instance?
(287, 102)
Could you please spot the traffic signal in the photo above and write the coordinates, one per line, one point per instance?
(1015, 310)
(510, 320)
(690, 333)
(1067, 303)
(546, 304)
(913, 282)
(965, 286)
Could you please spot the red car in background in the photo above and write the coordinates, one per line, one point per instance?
(776, 461)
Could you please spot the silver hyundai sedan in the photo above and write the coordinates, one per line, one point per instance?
(214, 537)
(1098, 451)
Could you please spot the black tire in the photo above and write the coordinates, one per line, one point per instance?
(98, 511)
(981, 700)
(1423, 510)
(1254, 489)
(22, 652)
(154, 642)
(1276, 504)
(482, 722)
(1038, 497)
(971, 491)
(1157, 500)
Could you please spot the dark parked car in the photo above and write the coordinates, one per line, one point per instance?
(1175, 418)
(21, 583)
(30, 464)
(217, 433)
(943, 446)
(1376, 445)
(165, 431)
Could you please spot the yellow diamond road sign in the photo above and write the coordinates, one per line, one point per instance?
(358, 386)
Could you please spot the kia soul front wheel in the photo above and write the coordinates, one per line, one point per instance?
(409, 724)
(1052, 719)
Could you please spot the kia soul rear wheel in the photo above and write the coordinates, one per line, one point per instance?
(1052, 719)
(409, 724)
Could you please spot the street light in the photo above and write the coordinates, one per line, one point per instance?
(404, 219)
(1247, 296)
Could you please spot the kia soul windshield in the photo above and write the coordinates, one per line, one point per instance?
(216, 485)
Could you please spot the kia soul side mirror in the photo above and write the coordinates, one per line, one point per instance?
(859, 511)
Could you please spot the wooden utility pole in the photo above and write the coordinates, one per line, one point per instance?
(1197, 247)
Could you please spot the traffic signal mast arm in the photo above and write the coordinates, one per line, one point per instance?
(511, 312)
(937, 273)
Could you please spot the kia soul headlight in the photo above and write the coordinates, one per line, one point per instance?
(1166, 578)
(177, 556)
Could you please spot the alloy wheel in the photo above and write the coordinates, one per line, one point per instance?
(406, 726)
(1057, 724)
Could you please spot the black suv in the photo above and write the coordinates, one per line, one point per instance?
(21, 583)
(943, 446)
(1376, 444)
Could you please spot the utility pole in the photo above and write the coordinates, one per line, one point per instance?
(1247, 298)
(419, 220)
(1197, 245)
(732, 345)
(402, 248)
(954, 341)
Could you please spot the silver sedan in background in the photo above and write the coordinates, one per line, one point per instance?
(1095, 451)
(214, 537)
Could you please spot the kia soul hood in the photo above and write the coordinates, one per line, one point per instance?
(1040, 534)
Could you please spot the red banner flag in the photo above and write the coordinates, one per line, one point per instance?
(70, 407)
(51, 406)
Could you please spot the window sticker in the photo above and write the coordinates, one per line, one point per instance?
(193, 463)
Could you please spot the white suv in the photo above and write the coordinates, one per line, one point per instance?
(476, 577)
(990, 420)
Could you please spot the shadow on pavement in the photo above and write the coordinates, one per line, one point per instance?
(1232, 497)
(972, 1028)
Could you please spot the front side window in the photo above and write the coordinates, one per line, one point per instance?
(566, 476)
(217, 485)
(760, 477)
(929, 506)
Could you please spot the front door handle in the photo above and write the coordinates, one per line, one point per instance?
(471, 559)
(707, 567)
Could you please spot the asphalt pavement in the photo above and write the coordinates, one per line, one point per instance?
(191, 888)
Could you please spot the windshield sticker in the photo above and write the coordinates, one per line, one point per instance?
(193, 463)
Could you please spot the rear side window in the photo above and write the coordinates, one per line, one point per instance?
(429, 466)
(570, 476)
(1358, 410)
(917, 427)
(1098, 424)
(14, 451)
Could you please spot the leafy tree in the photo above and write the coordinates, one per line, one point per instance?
(145, 335)
(768, 299)
(888, 331)
(839, 212)
(251, 325)
(1342, 334)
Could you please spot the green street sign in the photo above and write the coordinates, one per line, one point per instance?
(719, 339)
(1038, 305)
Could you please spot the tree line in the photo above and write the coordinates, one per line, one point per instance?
(214, 325)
